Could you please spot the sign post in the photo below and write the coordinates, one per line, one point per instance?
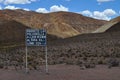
(46, 61)
(26, 64)
(36, 37)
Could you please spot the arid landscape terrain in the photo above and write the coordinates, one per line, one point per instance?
(79, 47)
(63, 72)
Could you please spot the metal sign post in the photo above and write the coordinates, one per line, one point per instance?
(36, 37)
(26, 65)
(46, 61)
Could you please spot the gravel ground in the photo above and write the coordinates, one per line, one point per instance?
(63, 72)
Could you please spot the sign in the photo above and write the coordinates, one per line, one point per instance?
(35, 37)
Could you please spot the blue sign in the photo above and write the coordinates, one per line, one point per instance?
(35, 37)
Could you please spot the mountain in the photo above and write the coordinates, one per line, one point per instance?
(11, 32)
(105, 36)
(70, 36)
(111, 26)
(105, 41)
(60, 24)
(99, 46)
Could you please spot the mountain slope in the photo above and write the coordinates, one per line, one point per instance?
(112, 25)
(12, 32)
(60, 24)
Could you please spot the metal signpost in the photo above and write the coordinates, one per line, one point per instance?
(36, 37)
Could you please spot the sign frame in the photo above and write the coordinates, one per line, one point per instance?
(45, 45)
(36, 37)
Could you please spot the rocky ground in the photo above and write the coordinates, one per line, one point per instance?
(63, 72)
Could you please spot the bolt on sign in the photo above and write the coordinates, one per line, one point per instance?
(36, 37)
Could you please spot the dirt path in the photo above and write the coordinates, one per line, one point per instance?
(63, 72)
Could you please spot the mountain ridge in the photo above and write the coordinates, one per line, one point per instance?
(60, 24)
(106, 27)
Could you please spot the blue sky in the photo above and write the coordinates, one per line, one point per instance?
(99, 9)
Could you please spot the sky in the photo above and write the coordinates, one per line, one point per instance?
(99, 9)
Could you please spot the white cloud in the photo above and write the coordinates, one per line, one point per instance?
(100, 15)
(55, 8)
(0, 8)
(18, 1)
(104, 15)
(42, 10)
(11, 7)
(87, 13)
(100, 1)
(26, 9)
(14, 8)
(109, 12)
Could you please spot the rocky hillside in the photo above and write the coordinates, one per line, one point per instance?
(111, 26)
(69, 48)
(60, 24)
(11, 32)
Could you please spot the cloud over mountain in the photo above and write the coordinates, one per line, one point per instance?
(104, 15)
(0, 7)
(53, 8)
(42, 10)
(16, 1)
(14, 8)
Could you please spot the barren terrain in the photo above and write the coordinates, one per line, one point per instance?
(73, 45)
(63, 72)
